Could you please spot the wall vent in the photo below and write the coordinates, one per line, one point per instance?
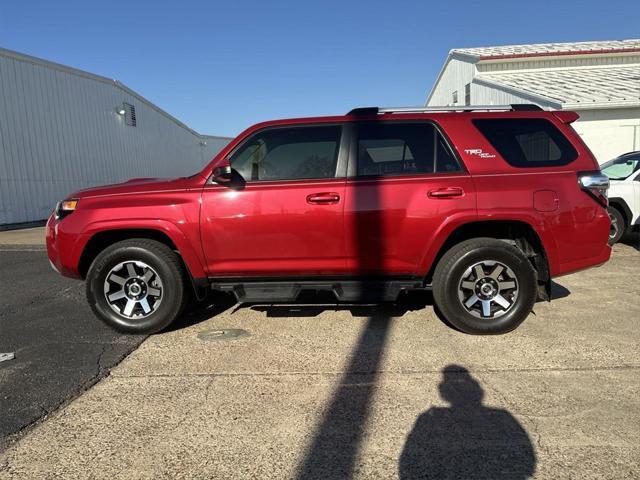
(129, 114)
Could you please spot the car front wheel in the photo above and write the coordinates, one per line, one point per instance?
(485, 286)
(136, 286)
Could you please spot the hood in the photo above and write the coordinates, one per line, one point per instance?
(136, 185)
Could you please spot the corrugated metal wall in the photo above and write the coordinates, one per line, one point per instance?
(59, 132)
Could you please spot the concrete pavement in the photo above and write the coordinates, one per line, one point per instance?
(365, 392)
(23, 237)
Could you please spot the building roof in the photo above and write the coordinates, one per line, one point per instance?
(550, 49)
(574, 88)
(98, 78)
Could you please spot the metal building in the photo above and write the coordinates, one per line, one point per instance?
(599, 80)
(63, 129)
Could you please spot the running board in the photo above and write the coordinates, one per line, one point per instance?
(344, 290)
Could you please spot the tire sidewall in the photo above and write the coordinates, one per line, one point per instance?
(456, 313)
(171, 296)
(613, 212)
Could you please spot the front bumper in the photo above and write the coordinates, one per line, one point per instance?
(63, 248)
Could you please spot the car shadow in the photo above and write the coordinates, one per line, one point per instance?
(308, 304)
(311, 304)
(199, 311)
(632, 239)
(558, 291)
(466, 439)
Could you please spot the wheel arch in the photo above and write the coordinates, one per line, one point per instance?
(104, 238)
(621, 205)
(519, 233)
(101, 235)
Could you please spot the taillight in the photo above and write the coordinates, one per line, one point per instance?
(595, 184)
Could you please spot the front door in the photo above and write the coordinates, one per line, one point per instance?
(283, 213)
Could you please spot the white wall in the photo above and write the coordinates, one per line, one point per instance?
(609, 132)
(455, 76)
(59, 132)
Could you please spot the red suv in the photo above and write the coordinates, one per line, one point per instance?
(483, 205)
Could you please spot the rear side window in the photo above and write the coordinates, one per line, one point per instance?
(527, 142)
(386, 149)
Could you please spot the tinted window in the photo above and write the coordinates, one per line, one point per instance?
(289, 154)
(402, 149)
(527, 142)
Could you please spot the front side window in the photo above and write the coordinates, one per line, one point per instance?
(295, 153)
(527, 142)
(402, 149)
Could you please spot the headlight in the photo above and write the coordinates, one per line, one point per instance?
(66, 207)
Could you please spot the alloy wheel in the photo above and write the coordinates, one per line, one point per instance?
(133, 289)
(613, 229)
(488, 289)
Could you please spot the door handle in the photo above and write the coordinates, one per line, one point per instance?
(446, 192)
(323, 198)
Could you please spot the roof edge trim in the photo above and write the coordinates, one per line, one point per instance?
(553, 102)
(510, 56)
(22, 57)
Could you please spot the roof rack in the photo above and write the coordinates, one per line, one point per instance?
(515, 107)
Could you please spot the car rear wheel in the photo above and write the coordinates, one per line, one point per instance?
(136, 286)
(618, 225)
(485, 286)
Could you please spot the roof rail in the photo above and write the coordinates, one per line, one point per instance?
(456, 108)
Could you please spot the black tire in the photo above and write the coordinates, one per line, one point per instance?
(166, 266)
(449, 294)
(618, 225)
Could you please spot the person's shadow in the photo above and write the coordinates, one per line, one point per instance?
(466, 440)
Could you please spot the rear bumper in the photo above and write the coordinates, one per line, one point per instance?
(584, 263)
(581, 242)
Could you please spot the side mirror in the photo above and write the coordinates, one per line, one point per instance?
(223, 174)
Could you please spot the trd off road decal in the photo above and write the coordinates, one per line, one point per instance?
(479, 153)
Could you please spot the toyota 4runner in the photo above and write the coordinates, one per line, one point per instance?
(482, 205)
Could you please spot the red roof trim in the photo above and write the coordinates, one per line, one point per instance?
(556, 54)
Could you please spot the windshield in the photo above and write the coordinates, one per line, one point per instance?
(620, 168)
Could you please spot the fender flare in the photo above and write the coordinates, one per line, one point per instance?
(186, 250)
(443, 234)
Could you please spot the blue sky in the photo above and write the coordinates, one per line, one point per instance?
(221, 66)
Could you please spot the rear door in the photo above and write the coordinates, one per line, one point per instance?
(404, 183)
(283, 215)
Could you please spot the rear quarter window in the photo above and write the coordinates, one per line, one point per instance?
(527, 142)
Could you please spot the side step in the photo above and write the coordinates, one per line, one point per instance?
(344, 290)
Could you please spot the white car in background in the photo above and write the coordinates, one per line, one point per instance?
(624, 193)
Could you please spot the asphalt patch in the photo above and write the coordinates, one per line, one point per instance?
(60, 348)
